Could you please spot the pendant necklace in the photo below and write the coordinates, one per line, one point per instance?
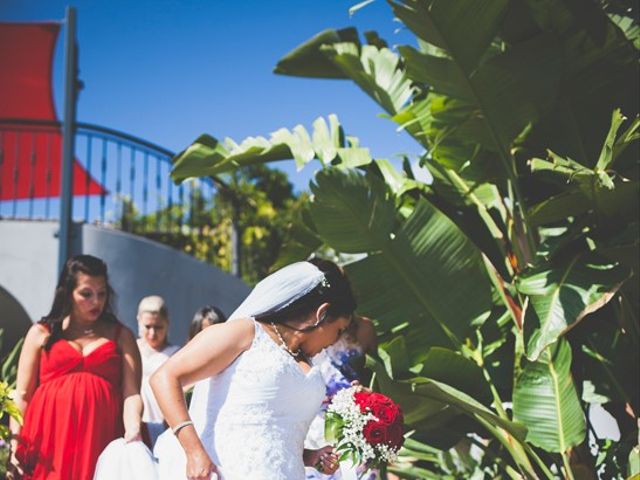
(283, 344)
(87, 331)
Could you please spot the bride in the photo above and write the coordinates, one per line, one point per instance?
(257, 390)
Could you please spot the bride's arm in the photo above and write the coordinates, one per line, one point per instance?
(208, 353)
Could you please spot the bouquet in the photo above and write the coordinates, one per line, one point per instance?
(364, 426)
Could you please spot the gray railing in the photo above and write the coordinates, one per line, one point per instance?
(137, 192)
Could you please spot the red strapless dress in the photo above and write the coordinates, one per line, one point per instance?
(74, 413)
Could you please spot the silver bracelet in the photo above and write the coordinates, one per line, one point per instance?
(180, 426)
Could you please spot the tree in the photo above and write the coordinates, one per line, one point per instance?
(260, 201)
(507, 287)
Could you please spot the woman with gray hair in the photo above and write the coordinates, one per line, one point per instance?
(155, 349)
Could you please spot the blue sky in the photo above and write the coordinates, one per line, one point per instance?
(167, 71)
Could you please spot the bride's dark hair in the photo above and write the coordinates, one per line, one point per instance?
(63, 301)
(335, 290)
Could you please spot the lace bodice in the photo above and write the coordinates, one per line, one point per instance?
(253, 417)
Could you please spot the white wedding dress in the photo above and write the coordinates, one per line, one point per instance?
(252, 417)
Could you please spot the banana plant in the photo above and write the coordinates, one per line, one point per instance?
(525, 241)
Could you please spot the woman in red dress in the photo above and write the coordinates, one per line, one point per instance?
(78, 380)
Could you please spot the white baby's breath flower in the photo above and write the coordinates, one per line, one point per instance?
(354, 420)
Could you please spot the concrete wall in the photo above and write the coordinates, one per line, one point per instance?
(137, 267)
(29, 264)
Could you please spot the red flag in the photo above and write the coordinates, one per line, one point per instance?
(30, 156)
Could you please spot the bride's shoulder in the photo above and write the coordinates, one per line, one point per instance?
(241, 324)
(241, 330)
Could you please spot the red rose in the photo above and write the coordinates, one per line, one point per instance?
(379, 405)
(375, 433)
(361, 399)
(379, 399)
(395, 435)
(367, 401)
(386, 413)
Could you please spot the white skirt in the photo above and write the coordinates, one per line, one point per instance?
(126, 461)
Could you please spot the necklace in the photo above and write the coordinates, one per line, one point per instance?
(283, 344)
(85, 331)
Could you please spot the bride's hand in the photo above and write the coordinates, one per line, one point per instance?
(324, 460)
(200, 467)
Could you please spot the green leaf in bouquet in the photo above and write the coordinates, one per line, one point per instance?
(634, 463)
(344, 456)
(333, 425)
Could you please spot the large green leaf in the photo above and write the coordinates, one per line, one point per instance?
(375, 70)
(496, 95)
(353, 213)
(301, 240)
(447, 366)
(208, 156)
(426, 273)
(562, 295)
(590, 191)
(440, 364)
(629, 27)
(463, 28)
(600, 73)
(546, 401)
(307, 60)
(430, 398)
(606, 154)
(396, 181)
(507, 91)
(616, 205)
(338, 54)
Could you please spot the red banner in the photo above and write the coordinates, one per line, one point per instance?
(30, 156)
